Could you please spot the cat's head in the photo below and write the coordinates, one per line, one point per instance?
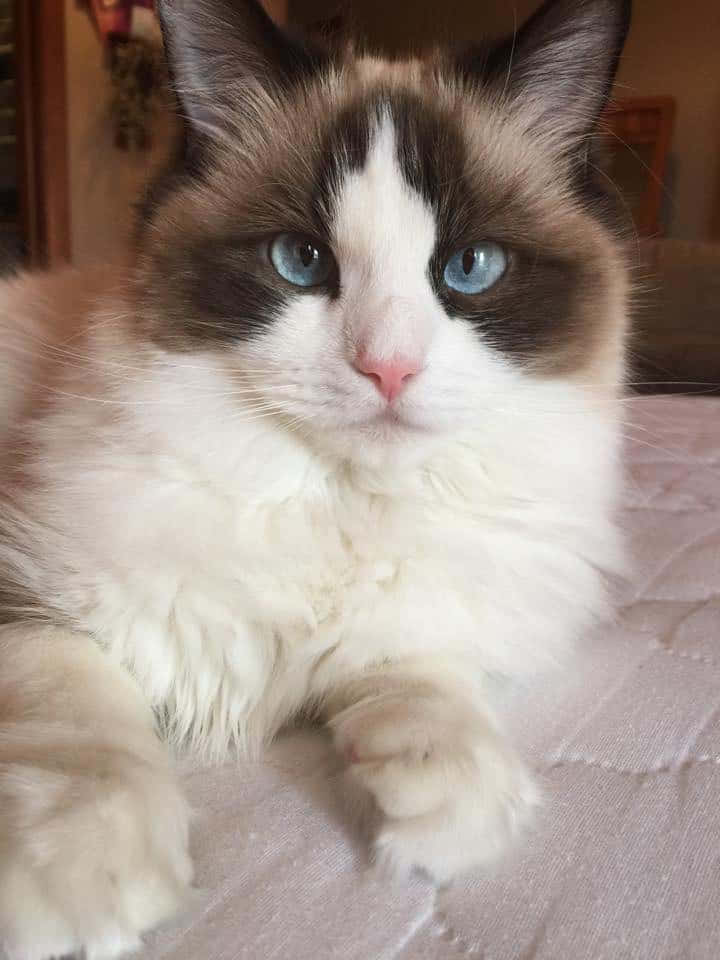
(375, 247)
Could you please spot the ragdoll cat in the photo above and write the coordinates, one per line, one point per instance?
(341, 442)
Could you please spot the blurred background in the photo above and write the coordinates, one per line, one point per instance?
(85, 118)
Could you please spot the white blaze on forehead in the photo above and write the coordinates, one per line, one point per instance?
(384, 236)
(381, 224)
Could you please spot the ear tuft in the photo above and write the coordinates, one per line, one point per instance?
(212, 46)
(560, 66)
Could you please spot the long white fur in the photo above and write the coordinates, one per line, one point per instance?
(248, 536)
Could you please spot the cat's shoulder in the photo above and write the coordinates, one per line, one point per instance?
(44, 316)
(58, 299)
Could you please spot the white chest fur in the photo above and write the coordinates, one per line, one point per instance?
(239, 585)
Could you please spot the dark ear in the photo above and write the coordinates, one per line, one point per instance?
(560, 66)
(213, 46)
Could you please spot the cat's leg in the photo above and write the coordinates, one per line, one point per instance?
(93, 827)
(450, 790)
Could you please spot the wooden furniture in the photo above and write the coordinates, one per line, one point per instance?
(638, 133)
(34, 200)
(10, 232)
(42, 131)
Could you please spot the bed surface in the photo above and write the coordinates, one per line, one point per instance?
(625, 859)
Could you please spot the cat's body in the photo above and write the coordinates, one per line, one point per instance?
(257, 520)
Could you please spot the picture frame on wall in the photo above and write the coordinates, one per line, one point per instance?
(638, 138)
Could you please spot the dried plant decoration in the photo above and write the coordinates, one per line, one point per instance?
(130, 34)
(138, 75)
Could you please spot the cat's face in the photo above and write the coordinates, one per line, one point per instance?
(382, 253)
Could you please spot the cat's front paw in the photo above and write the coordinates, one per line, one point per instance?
(91, 855)
(452, 793)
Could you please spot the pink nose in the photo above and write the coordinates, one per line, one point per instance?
(390, 376)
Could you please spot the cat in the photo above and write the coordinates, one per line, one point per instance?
(342, 442)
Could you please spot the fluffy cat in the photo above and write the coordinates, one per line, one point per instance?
(342, 442)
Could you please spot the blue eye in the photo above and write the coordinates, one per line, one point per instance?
(301, 260)
(474, 269)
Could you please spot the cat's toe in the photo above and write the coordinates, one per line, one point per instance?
(450, 791)
(472, 827)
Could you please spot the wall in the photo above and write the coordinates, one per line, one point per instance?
(410, 25)
(673, 48)
(104, 181)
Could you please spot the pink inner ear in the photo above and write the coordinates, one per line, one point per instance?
(390, 376)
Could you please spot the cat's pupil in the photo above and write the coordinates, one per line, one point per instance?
(468, 260)
(307, 253)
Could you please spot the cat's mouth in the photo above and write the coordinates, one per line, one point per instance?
(392, 418)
